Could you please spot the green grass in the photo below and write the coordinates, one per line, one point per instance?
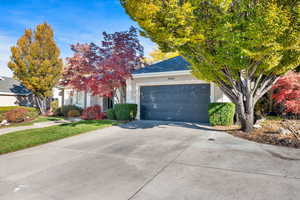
(28, 138)
(37, 120)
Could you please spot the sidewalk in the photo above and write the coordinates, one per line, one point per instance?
(35, 125)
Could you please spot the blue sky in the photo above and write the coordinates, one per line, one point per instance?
(72, 20)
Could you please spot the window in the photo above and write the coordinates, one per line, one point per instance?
(79, 99)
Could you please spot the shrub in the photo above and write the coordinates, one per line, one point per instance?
(32, 113)
(111, 114)
(5, 109)
(221, 114)
(13, 116)
(16, 115)
(2, 117)
(63, 111)
(73, 113)
(125, 111)
(93, 112)
(54, 105)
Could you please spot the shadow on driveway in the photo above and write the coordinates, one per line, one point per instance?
(147, 124)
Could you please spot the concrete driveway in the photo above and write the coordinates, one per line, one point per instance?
(147, 160)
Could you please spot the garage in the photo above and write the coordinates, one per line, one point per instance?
(187, 103)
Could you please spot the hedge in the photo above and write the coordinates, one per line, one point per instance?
(110, 113)
(125, 111)
(221, 114)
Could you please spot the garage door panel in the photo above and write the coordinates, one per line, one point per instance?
(175, 102)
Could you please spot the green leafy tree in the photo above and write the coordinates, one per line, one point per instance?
(157, 55)
(243, 46)
(35, 62)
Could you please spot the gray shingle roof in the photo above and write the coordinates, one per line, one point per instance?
(173, 64)
(10, 85)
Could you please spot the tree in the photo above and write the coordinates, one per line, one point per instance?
(157, 55)
(287, 92)
(35, 62)
(241, 45)
(103, 70)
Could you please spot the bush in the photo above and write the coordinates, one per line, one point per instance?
(125, 111)
(2, 117)
(73, 113)
(93, 112)
(5, 109)
(63, 111)
(32, 113)
(111, 114)
(54, 105)
(12, 116)
(221, 114)
(16, 115)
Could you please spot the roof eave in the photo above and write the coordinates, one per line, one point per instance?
(159, 74)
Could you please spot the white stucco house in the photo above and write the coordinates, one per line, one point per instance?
(163, 91)
(68, 96)
(13, 93)
(167, 91)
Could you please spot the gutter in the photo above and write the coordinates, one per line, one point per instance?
(160, 74)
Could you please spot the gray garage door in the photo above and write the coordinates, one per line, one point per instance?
(187, 103)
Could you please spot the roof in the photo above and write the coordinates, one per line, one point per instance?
(173, 64)
(12, 86)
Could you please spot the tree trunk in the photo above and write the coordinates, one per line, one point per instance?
(42, 104)
(246, 118)
(244, 92)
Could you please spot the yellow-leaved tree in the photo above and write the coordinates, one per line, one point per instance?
(35, 61)
(243, 46)
(157, 55)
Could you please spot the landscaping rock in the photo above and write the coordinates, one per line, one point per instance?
(257, 126)
(4, 123)
(284, 131)
(258, 122)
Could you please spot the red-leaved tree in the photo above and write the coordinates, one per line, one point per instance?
(104, 69)
(287, 92)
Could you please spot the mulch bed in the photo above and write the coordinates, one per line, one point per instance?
(268, 134)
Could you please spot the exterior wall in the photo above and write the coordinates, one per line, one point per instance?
(72, 97)
(14, 100)
(133, 86)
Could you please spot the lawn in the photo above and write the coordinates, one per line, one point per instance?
(37, 120)
(28, 138)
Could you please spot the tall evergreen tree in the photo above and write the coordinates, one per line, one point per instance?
(243, 46)
(35, 62)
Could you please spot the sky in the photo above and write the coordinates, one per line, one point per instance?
(73, 21)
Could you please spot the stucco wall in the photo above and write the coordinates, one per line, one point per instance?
(133, 86)
(12, 100)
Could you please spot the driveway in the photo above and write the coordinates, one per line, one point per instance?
(146, 160)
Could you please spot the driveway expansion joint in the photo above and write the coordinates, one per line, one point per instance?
(160, 170)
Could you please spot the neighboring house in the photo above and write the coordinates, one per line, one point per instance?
(13, 93)
(167, 91)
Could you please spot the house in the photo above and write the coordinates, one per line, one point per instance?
(69, 96)
(167, 91)
(163, 91)
(13, 93)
